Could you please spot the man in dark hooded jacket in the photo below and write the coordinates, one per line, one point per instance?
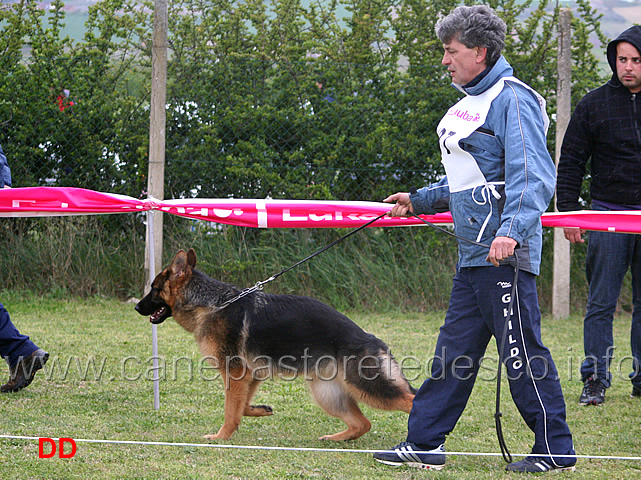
(605, 129)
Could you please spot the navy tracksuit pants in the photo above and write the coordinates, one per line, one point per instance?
(478, 310)
(13, 344)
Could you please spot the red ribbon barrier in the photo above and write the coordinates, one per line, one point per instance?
(58, 201)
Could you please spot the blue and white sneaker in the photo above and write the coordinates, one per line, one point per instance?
(538, 465)
(409, 454)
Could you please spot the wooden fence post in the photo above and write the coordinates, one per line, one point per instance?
(156, 178)
(561, 268)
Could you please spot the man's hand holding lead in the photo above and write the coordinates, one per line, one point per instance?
(501, 248)
(403, 205)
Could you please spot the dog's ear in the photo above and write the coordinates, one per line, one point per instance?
(180, 263)
(191, 258)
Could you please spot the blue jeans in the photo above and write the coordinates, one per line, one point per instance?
(608, 259)
(13, 345)
(477, 312)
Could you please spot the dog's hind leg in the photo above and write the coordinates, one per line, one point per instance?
(384, 387)
(337, 402)
(256, 410)
(403, 403)
(237, 383)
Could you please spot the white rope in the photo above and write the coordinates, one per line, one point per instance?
(306, 449)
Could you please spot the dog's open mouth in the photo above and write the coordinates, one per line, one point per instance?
(160, 315)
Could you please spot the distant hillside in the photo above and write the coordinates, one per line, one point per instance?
(617, 15)
(75, 24)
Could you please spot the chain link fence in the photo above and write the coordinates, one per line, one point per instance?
(244, 129)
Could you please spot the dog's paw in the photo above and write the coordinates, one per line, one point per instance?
(265, 408)
(349, 434)
(258, 411)
(216, 436)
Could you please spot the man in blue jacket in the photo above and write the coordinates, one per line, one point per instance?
(605, 129)
(23, 356)
(499, 180)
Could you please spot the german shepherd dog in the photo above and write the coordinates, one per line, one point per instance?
(260, 335)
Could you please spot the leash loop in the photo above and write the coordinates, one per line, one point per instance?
(507, 456)
(451, 234)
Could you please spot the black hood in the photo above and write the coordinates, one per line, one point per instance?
(633, 36)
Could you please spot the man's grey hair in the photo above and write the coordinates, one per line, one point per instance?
(475, 26)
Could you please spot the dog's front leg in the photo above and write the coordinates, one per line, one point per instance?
(237, 381)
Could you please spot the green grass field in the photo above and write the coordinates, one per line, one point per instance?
(97, 386)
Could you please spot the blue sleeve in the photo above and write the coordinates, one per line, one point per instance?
(5, 171)
(530, 174)
(431, 199)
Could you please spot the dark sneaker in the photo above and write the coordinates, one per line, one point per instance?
(410, 454)
(22, 374)
(636, 392)
(593, 392)
(538, 465)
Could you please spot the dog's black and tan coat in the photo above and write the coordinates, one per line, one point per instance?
(261, 335)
